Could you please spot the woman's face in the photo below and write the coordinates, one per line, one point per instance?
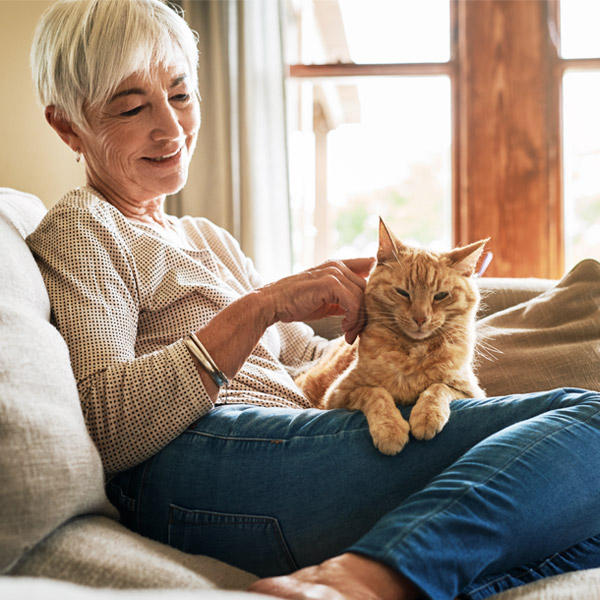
(138, 146)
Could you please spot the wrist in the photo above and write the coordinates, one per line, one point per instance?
(263, 305)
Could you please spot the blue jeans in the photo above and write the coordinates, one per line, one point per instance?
(507, 493)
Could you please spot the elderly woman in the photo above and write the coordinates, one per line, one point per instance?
(185, 365)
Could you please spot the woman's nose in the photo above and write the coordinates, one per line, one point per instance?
(166, 125)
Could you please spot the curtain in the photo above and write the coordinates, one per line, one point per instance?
(238, 176)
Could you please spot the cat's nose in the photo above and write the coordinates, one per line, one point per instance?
(419, 320)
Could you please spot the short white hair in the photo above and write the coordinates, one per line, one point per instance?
(83, 49)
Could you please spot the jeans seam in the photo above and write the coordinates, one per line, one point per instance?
(394, 544)
(481, 588)
(274, 439)
(505, 576)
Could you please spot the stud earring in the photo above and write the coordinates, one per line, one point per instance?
(77, 155)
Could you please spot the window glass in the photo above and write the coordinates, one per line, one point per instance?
(581, 158)
(579, 28)
(402, 31)
(371, 147)
(373, 31)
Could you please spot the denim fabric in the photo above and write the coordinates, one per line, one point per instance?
(509, 481)
(585, 555)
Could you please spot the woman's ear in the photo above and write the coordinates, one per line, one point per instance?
(65, 129)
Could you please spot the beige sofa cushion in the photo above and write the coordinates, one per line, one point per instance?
(30, 588)
(98, 552)
(500, 293)
(49, 468)
(21, 284)
(582, 585)
(575, 585)
(549, 341)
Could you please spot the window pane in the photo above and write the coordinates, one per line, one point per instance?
(579, 22)
(374, 147)
(402, 31)
(581, 119)
(373, 31)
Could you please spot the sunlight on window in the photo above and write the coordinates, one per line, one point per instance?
(394, 163)
(363, 147)
(402, 31)
(581, 122)
(579, 24)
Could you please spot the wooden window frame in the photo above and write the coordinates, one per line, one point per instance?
(506, 76)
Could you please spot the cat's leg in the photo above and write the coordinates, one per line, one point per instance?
(389, 430)
(431, 411)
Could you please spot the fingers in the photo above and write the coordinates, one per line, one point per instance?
(347, 291)
(355, 270)
(333, 288)
(352, 329)
(352, 274)
(360, 266)
(352, 284)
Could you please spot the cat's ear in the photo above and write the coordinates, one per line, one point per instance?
(465, 259)
(390, 247)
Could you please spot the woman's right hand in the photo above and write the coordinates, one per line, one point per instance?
(332, 288)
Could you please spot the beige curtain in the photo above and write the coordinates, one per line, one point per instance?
(238, 177)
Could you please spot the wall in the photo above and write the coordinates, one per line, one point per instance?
(32, 156)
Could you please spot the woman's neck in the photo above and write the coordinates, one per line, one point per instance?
(150, 212)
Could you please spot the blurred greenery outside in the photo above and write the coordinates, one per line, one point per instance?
(413, 209)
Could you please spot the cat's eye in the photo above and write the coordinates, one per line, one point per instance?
(403, 293)
(440, 296)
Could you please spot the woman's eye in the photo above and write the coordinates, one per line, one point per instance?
(403, 293)
(181, 97)
(440, 296)
(132, 112)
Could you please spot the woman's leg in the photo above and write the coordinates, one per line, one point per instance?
(273, 490)
(521, 495)
(585, 555)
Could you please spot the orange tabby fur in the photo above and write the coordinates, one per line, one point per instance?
(417, 347)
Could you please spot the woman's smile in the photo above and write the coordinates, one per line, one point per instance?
(166, 159)
(138, 147)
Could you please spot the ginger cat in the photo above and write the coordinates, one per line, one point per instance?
(417, 347)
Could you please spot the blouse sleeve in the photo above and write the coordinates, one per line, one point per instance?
(133, 405)
(299, 344)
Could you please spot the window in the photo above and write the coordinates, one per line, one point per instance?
(453, 120)
(580, 53)
(366, 144)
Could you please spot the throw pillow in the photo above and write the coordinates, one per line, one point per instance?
(550, 341)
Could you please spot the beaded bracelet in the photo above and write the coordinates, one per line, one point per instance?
(204, 358)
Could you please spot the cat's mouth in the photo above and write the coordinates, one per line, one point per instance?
(419, 334)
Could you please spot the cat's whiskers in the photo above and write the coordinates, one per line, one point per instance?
(484, 348)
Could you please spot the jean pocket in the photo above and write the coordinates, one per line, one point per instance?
(254, 543)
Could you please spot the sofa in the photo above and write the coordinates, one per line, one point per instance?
(59, 535)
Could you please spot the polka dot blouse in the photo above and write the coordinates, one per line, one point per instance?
(123, 297)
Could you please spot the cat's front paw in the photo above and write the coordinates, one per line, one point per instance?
(391, 436)
(427, 419)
